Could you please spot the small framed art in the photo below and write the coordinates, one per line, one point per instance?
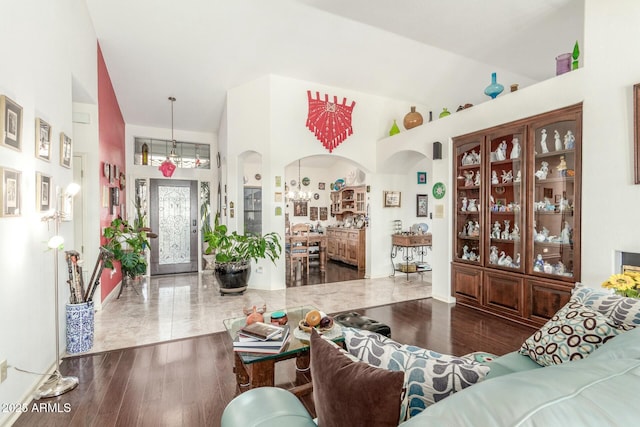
(422, 177)
(422, 205)
(10, 124)
(392, 199)
(66, 152)
(300, 208)
(43, 140)
(10, 185)
(43, 192)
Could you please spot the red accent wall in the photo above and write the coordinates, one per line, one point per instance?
(111, 148)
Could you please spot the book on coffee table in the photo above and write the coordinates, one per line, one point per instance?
(261, 331)
(253, 345)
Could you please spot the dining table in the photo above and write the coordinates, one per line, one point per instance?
(319, 239)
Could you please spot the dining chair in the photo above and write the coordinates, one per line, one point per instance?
(299, 246)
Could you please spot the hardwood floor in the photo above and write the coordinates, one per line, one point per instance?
(188, 382)
(335, 271)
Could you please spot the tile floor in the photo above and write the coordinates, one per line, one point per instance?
(180, 306)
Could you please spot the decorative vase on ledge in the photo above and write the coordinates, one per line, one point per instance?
(412, 119)
(495, 88)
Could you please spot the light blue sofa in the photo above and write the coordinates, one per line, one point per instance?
(597, 391)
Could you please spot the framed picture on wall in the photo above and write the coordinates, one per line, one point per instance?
(65, 150)
(422, 177)
(300, 208)
(422, 205)
(43, 140)
(43, 192)
(313, 213)
(392, 199)
(324, 214)
(10, 185)
(10, 124)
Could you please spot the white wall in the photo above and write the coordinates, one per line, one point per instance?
(274, 126)
(46, 44)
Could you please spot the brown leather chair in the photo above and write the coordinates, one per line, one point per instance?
(299, 246)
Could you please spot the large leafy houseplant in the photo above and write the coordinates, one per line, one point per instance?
(234, 252)
(128, 245)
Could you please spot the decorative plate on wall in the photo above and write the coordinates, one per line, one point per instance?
(258, 177)
(293, 183)
(438, 190)
(305, 181)
(316, 196)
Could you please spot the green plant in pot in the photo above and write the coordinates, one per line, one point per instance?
(128, 245)
(234, 253)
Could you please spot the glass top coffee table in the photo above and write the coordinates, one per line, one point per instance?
(257, 369)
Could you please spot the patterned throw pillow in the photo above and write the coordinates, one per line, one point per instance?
(620, 309)
(571, 334)
(428, 376)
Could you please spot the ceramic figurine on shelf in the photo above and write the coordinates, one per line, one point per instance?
(505, 232)
(565, 234)
(560, 268)
(495, 233)
(507, 177)
(465, 252)
(518, 177)
(493, 255)
(475, 157)
(556, 140)
(543, 171)
(464, 204)
(476, 181)
(494, 177)
(569, 141)
(516, 262)
(538, 264)
(473, 256)
(501, 151)
(515, 233)
(476, 229)
(465, 159)
(505, 260)
(473, 206)
(468, 178)
(548, 268)
(543, 141)
(470, 228)
(562, 166)
(515, 149)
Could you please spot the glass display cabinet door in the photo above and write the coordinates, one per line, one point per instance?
(506, 200)
(467, 200)
(555, 201)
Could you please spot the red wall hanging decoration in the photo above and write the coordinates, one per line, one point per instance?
(329, 121)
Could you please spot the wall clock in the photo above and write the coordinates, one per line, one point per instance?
(438, 190)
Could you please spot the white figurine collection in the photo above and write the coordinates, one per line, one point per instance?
(542, 266)
(503, 259)
(471, 158)
(543, 236)
(568, 143)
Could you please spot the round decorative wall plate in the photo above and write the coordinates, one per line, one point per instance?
(258, 177)
(293, 183)
(306, 181)
(438, 190)
(316, 196)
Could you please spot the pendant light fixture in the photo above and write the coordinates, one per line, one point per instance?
(168, 167)
(299, 196)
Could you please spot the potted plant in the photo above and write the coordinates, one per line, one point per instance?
(128, 245)
(234, 253)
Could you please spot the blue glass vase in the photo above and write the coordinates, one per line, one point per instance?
(495, 88)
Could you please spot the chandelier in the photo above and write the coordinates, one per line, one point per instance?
(299, 195)
(169, 165)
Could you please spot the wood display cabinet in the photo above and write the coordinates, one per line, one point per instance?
(349, 200)
(516, 250)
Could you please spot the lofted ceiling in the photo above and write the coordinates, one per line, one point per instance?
(428, 52)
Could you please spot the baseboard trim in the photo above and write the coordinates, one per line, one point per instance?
(445, 298)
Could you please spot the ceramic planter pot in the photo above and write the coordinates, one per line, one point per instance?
(233, 276)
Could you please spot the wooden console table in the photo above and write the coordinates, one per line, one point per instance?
(409, 247)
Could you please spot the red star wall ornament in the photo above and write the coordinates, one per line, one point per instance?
(329, 121)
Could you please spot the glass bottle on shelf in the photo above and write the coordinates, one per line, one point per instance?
(554, 199)
(505, 204)
(145, 154)
(468, 196)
